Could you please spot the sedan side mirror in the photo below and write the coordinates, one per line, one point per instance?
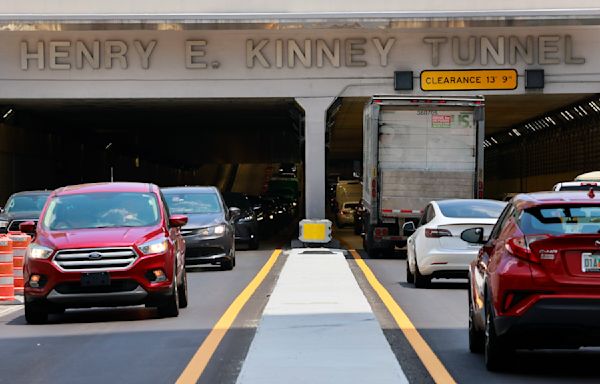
(408, 228)
(473, 235)
(234, 212)
(28, 227)
(178, 220)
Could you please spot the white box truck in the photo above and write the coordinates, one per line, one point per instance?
(417, 149)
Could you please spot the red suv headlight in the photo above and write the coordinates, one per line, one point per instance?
(155, 246)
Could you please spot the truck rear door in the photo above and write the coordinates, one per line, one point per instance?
(425, 153)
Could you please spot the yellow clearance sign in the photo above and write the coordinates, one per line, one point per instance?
(469, 80)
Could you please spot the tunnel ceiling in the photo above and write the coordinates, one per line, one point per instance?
(184, 133)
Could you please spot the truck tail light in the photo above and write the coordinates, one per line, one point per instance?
(380, 232)
(437, 232)
(374, 188)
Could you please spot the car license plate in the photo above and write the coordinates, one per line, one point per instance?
(590, 262)
(95, 279)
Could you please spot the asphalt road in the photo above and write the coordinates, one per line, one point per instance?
(132, 345)
(440, 315)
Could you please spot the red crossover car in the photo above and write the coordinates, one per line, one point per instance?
(536, 281)
(107, 244)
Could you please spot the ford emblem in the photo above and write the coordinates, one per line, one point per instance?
(95, 255)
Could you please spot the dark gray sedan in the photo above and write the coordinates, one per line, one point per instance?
(209, 234)
(22, 207)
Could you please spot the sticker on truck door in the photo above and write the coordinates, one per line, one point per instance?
(441, 121)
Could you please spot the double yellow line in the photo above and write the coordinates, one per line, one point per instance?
(199, 361)
(432, 363)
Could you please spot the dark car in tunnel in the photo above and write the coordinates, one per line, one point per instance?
(246, 224)
(209, 233)
(21, 207)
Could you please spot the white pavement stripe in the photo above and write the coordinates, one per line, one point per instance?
(319, 328)
(7, 310)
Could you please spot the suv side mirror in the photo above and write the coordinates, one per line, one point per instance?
(473, 235)
(178, 220)
(408, 228)
(28, 227)
(234, 212)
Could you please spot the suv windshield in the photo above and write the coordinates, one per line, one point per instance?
(102, 210)
(190, 203)
(560, 220)
(579, 188)
(26, 203)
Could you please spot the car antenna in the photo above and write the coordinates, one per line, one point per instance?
(591, 193)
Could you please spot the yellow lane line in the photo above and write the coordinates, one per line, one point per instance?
(200, 360)
(429, 359)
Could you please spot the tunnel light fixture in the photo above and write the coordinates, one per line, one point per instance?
(403, 81)
(534, 79)
(7, 114)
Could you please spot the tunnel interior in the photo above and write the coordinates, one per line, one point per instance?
(531, 141)
(236, 144)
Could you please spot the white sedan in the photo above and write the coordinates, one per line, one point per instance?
(435, 249)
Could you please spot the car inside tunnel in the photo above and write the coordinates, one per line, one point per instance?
(51, 143)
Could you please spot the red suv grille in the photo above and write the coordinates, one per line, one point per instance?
(95, 259)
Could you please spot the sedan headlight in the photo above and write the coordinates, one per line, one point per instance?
(36, 251)
(216, 230)
(246, 219)
(154, 246)
(3, 223)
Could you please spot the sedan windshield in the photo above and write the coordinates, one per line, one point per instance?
(475, 209)
(102, 210)
(560, 220)
(26, 203)
(191, 203)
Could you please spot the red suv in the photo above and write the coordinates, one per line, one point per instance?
(536, 281)
(107, 244)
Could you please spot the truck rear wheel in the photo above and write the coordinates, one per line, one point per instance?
(368, 244)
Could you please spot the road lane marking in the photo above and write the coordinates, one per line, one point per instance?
(199, 361)
(9, 309)
(432, 363)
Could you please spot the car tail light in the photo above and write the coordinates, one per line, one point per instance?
(436, 232)
(519, 246)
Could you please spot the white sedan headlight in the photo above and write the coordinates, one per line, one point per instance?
(154, 246)
(36, 251)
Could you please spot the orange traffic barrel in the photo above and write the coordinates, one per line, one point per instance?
(20, 242)
(7, 284)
